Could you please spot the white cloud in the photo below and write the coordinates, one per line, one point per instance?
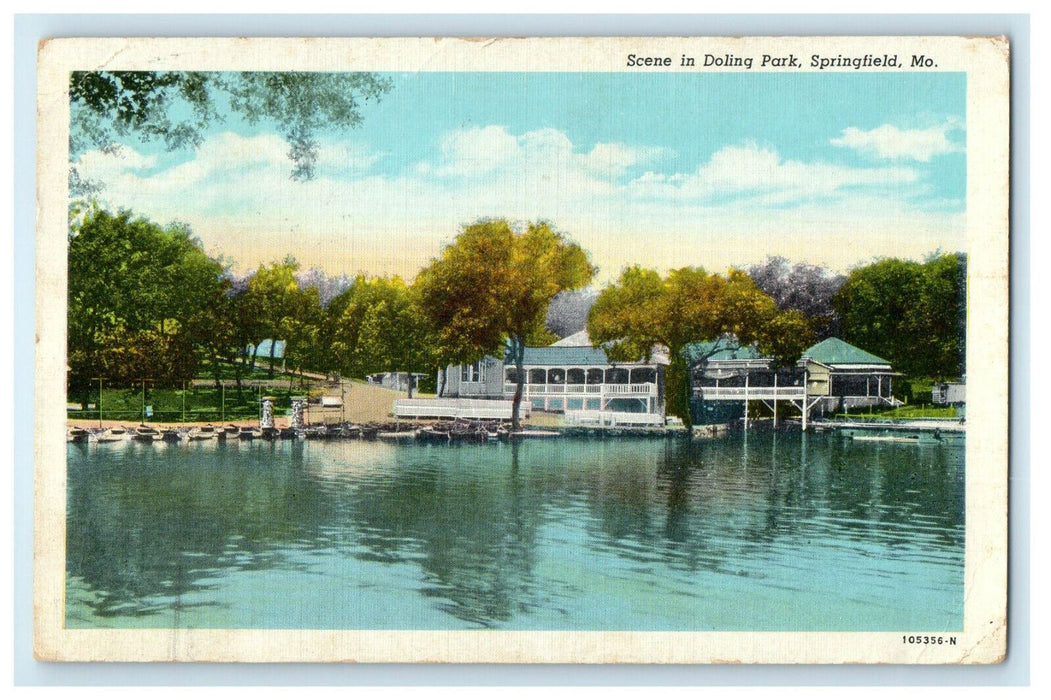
(761, 176)
(236, 194)
(103, 165)
(492, 150)
(888, 142)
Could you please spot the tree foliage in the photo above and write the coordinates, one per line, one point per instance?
(176, 107)
(801, 287)
(376, 326)
(493, 285)
(689, 305)
(568, 312)
(909, 313)
(138, 296)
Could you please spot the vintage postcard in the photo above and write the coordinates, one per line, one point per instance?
(641, 350)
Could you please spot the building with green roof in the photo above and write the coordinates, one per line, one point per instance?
(725, 376)
(563, 377)
(847, 377)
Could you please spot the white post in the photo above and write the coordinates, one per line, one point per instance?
(746, 400)
(806, 396)
(775, 399)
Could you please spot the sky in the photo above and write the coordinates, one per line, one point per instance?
(661, 170)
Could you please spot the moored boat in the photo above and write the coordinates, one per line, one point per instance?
(249, 433)
(113, 434)
(204, 432)
(171, 435)
(78, 435)
(145, 433)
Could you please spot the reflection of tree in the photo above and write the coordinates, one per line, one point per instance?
(474, 520)
(144, 529)
(148, 525)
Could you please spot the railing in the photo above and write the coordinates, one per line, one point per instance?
(757, 393)
(613, 418)
(634, 390)
(456, 408)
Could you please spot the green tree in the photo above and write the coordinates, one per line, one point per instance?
(490, 289)
(283, 311)
(908, 313)
(176, 107)
(135, 294)
(642, 310)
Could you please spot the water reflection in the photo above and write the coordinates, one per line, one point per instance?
(511, 535)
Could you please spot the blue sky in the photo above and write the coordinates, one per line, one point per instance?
(660, 169)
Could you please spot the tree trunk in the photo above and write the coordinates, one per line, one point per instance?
(218, 373)
(678, 388)
(410, 383)
(441, 384)
(518, 350)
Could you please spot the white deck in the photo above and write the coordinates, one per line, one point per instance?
(488, 409)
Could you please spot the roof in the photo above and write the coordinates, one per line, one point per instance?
(577, 340)
(264, 348)
(565, 355)
(721, 349)
(833, 351)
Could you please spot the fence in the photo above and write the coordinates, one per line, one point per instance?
(197, 402)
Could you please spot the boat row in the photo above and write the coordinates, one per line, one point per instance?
(476, 432)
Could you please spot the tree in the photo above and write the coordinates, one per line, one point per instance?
(328, 287)
(568, 312)
(136, 293)
(908, 313)
(642, 310)
(280, 309)
(490, 290)
(176, 107)
(801, 287)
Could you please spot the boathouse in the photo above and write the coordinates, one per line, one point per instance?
(568, 377)
(845, 377)
(725, 377)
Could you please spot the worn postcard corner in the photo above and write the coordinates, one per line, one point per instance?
(563, 350)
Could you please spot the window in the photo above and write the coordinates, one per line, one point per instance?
(473, 372)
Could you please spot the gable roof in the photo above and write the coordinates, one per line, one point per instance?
(833, 351)
(721, 349)
(577, 340)
(565, 355)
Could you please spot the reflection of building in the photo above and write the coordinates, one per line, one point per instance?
(565, 377)
(847, 377)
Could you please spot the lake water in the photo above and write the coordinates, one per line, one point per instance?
(759, 531)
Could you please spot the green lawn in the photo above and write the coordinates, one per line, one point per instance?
(176, 405)
(905, 412)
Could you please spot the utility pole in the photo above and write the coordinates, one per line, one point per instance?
(100, 399)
